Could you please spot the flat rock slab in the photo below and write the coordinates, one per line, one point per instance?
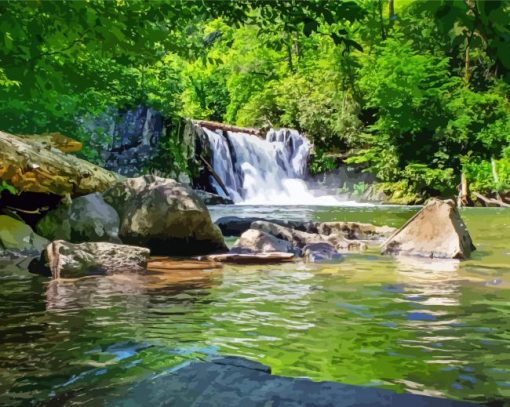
(234, 381)
(252, 258)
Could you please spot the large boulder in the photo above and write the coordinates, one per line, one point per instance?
(165, 216)
(257, 241)
(69, 260)
(18, 239)
(437, 231)
(87, 219)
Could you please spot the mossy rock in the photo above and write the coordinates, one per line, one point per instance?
(18, 239)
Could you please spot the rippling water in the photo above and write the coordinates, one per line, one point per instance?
(438, 328)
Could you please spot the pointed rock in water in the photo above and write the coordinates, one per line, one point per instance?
(18, 239)
(437, 231)
(68, 260)
(164, 215)
(87, 219)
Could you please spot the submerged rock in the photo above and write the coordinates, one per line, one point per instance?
(69, 260)
(164, 215)
(235, 381)
(18, 239)
(320, 252)
(88, 219)
(257, 241)
(437, 231)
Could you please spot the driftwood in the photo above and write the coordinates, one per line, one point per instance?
(31, 167)
(215, 175)
(491, 201)
(227, 127)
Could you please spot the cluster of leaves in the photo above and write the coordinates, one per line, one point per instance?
(415, 92)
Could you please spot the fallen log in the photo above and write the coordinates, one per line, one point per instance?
(53, 140)
(215, 176)
(227, 127)
(491, 201)
(31, 167)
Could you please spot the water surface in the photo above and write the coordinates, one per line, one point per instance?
(438, 328)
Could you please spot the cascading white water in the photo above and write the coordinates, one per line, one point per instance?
(265, 172)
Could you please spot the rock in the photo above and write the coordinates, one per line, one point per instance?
(165, 216)
(88, 219)
(252, 258)
(18, 239)
(235, 381)
(299, 239)
(257, 241)
(69, 260)
(235, 226)
(355, 230)
(436, 231)
(209, 198)
(320, 252)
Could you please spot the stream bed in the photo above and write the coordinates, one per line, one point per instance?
(439, 328)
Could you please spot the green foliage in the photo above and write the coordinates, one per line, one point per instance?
(416, 98)
(5, 186)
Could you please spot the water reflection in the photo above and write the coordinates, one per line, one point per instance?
(135, 289)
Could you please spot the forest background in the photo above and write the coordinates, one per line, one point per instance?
(415, 92)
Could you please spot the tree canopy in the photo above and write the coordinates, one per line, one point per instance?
(415, 92)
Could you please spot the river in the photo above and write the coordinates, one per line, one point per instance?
(438, 328)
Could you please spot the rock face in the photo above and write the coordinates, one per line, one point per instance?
(257, 241)
(18, 239)
(88, 219)
(130, 138)
(165, 216)
(68, 260)
(437, 231)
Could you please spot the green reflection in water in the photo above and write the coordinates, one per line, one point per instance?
(439, 328)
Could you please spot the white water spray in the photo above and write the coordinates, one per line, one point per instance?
(265, 172)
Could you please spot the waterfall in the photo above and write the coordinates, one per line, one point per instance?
(270, 171)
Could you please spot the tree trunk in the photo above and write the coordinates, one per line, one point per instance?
(463, 199)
